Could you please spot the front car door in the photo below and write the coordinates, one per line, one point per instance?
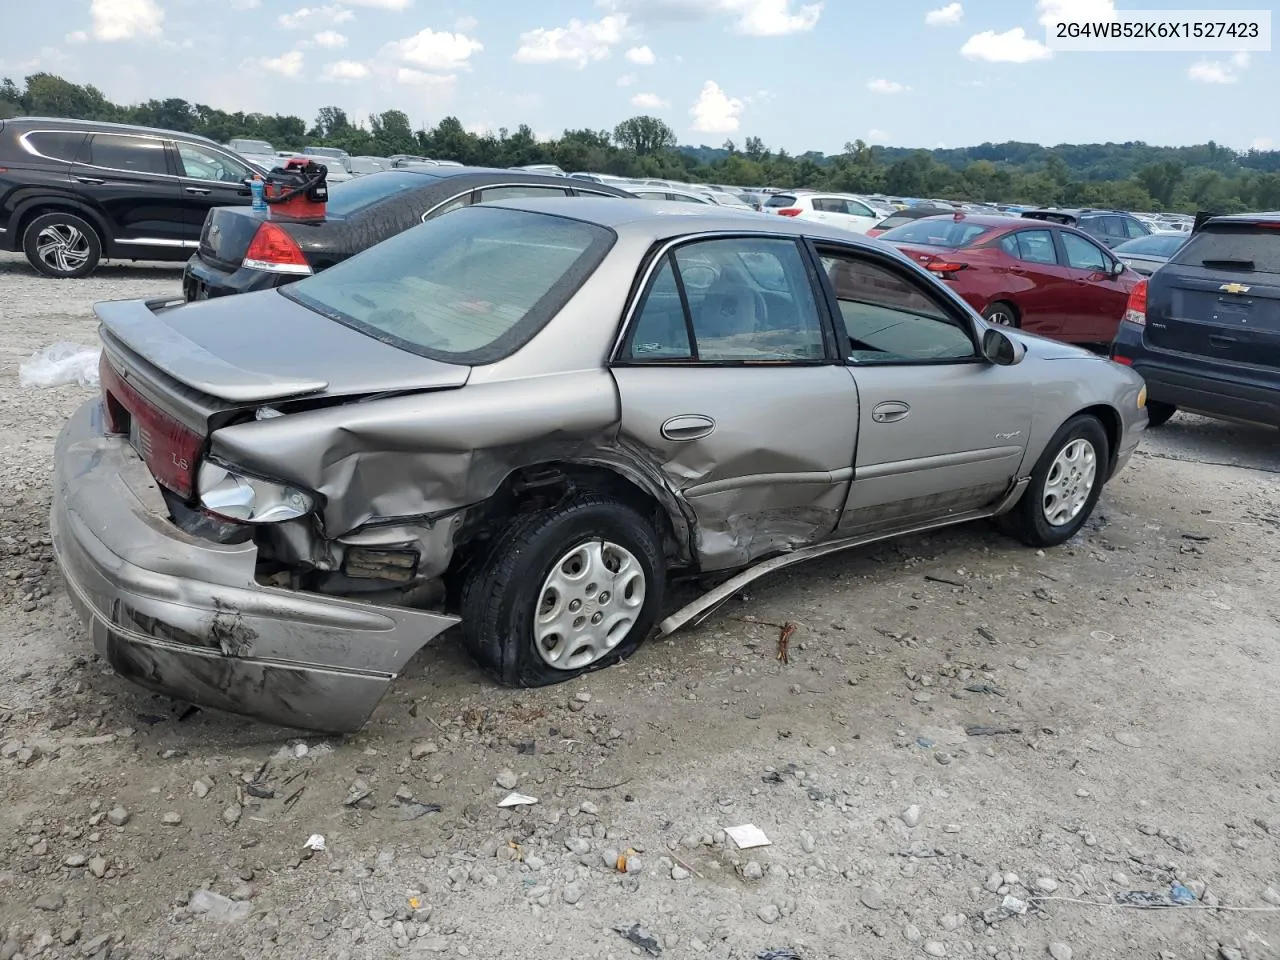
(858, 217)
(208, 178)
(941, 431)
(1099, 298)
(1040, 282)
(730, 384)
(128, 178)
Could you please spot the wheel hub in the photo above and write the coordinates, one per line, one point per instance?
(588, 604)
(62, 247)
(1070, 482)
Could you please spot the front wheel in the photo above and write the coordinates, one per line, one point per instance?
(1065, 485)
(62, 245)
(1158, 413)
(1001, 313)
(564, 592)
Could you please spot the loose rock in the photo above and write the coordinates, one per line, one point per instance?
(118, 816)
(1060, 951)
(769, 913)
(911, 816)
(507, 779)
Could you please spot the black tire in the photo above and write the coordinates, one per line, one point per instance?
(1158, 413)
(502, 595)
(80, 250)
(1002, 308)
(1027, 521)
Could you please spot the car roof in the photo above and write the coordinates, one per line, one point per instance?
(657, 220)
(105, 126)
(1270, 216)
(981, 219)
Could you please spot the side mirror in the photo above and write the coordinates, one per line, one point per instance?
(1001, 349)
(1117, 268)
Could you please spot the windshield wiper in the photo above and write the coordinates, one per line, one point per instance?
(1228, 262)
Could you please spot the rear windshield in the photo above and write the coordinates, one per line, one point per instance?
(780, 200)
(937, 232)
(1238, 247)
(888, 223)
(472, 287)
(352, 196)
(1156, 246)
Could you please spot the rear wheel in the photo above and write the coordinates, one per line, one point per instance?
(1002, 313)
(62, 245)
(1158, 413)
(1065, 485)
(563, 592)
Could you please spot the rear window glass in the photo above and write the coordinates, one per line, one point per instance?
(472, 287)
(1156, 246)
(1241, 247)
(890, 222)
(780, 200)
(937, 232)
(352, 196)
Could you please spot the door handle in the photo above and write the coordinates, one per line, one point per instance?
(1218, 340)
(91, 180)
(890, 411)
(200, 191)
(689, 426)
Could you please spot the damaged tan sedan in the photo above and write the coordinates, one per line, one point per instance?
(522, 418)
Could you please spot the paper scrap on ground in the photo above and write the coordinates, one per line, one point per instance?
(747, 836)
(314, 842)
(516, 800)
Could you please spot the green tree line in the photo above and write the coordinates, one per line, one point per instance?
(1133, 176)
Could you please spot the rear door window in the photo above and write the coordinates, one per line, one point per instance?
(1033, 246)
(122, 152)
(1244, 248)
(56, 144)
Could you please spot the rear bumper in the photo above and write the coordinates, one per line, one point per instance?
(1200, 386)
(201, 280)
(185, 617)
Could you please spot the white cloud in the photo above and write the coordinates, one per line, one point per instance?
(878, 136)
(1075, 11)
(407, 77)
(641, 55)
(383, 4)
(1219, 71)
(1012, 46)
(429, 50)
(715, 111)
(465, 24)
(578, 44)
(330, 39)
(287, 64)
(649, 101)
(343, 70)
(245, 4)
(947, 16)
(125, 19)
(628, 80)
(887, 86)
(312, 16)
(758, 18)
(79, 36)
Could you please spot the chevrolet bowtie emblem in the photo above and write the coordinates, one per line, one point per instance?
(1234, 288)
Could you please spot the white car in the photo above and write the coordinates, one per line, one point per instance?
(834, 209)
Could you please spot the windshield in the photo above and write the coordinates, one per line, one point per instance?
(472, 287)
(937, 232)
(1154, 246)
(1230, 246)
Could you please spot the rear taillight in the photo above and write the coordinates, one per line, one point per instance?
(945, 268)
(1136, 310)
(1123, 361)
(790, 212)
(272, 250)
(170, 449)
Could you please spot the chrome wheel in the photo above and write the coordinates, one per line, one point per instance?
(588, 604)
(62, 247)
(1069, 482)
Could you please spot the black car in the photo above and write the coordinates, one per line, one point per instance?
(74, 192)
(1106, 226)
(1204, 329)
(242, 250)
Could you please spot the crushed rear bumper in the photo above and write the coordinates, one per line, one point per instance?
(185, 617)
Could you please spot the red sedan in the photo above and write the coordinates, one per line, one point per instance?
(1042, 277)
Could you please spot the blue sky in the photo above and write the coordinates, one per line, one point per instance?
(801, 74)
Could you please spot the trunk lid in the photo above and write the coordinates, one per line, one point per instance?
(228, 232)
(1219, 297)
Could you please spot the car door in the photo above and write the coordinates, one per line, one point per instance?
(729, 383)
(208, 178)
(857, 216)
(128, 179)
(941, 431)
(1098, 301)
(1038, 283)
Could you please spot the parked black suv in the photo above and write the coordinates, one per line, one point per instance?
(1106, 226)
(74, 192)
(1204, 329)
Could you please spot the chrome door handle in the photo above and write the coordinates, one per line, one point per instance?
(91, 180)
(890, 411)
(201, 191)
(690, 426)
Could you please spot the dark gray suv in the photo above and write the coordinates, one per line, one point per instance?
(1111, 227)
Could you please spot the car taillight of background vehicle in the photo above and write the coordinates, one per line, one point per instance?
(1135, 311)
(945, 269)
(789, 212)
(272, 250)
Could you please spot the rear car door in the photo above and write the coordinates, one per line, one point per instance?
(208, 178)
(728, 378)
(941, 431)
(1218, 300)
(128, 179)
(1097, 302)
(1040, 283)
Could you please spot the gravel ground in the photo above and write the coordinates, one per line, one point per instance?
(972, 750)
